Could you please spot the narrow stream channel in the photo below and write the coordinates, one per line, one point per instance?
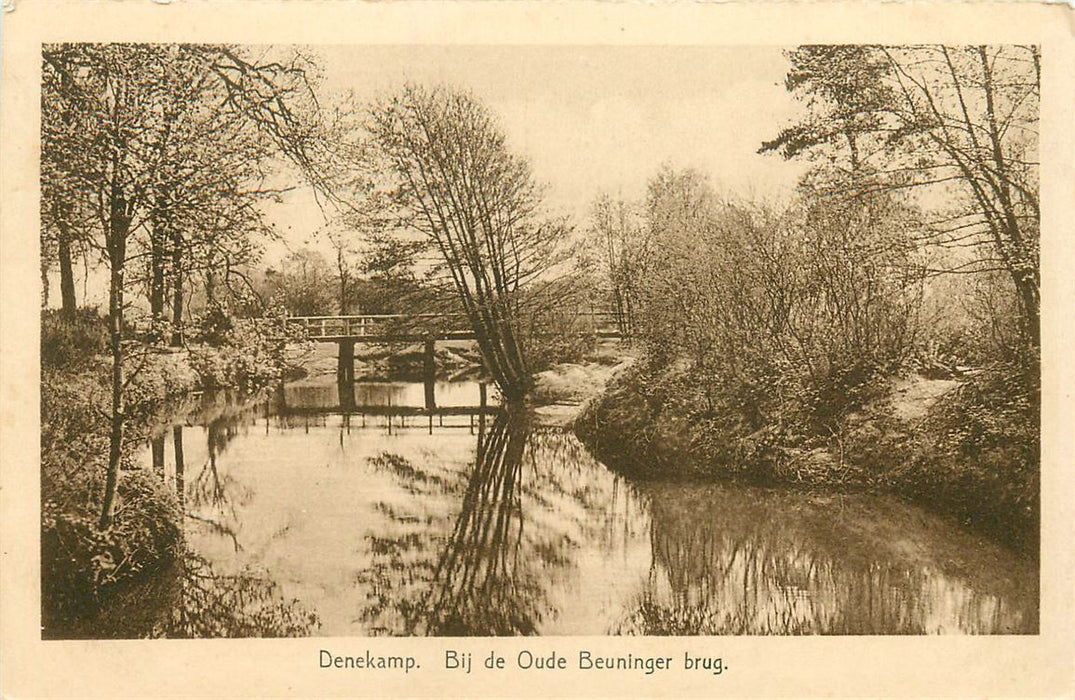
(306, 517)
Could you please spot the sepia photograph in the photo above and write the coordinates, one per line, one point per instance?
(536, 349)
(578, 340)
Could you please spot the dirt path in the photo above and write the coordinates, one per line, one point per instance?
(912, 396)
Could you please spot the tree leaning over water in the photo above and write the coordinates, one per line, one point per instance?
(478, 205)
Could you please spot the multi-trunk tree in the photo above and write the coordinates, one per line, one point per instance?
(478, 206)
(955, 128)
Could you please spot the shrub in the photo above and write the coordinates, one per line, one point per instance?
(227, 351)
(977, 456)
(81, 565)
(72, 339)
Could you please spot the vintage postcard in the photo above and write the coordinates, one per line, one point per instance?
(536, 349)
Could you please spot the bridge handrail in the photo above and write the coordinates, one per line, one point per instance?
(609, 314)
(371, 316)
(375, 325)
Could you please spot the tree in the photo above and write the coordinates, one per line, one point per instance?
(391, 282)
(303, 283)
(478, 206)
(66, 223)
(618, 234)
(772, 310)
(953, 125)
(129, 132)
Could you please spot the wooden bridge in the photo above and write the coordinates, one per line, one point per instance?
(409, 328)
(346, 331)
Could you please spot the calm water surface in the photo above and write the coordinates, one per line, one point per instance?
(308, 515)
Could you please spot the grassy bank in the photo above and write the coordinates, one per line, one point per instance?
(81, 565)
(965, 447)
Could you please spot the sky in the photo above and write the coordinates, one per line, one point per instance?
(590, 119)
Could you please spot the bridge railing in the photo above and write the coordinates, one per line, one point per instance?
(374, 325)
(379, 325)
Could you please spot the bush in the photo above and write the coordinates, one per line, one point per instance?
(72, 339)
(81, 565)
(976, 456)
(226, 351)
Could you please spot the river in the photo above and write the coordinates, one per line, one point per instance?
(308, 514)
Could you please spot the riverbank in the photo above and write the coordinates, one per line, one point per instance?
(561, 393)
(964, 447)
(82, 566)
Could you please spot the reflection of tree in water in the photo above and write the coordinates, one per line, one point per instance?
(239, 605)
(483, 572)
(725, 564)
(208, 488)
(192, 600)
(207, 604)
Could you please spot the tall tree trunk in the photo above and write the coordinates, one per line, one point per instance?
(210, 278)
(44, 282)
(67, 275)
(157, 447)
(180, 485)
(119, 225)
(63, 219)
(342, 269)
(177, 288)
(1030, 300)
(156, 261)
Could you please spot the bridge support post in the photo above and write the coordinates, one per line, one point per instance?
(345, 362)
(429, 372)
(346, 391)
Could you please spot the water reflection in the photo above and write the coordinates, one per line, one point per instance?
(477, 580)
(191, 599)
(769, 562)
(468, 519)
(204, 603)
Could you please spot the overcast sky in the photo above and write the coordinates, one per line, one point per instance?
(590, 119)
(593, 119)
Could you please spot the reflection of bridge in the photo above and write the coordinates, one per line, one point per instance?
(347, 406)
(390, 411)
(390, 328)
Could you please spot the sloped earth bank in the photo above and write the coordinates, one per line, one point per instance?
(965, 448)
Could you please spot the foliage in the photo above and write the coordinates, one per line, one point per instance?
(477, 205)
(617, 241)
(82, 565)
(69, 339)
(302, 284)
(780, 317)
(973, 456)
(390, 282)
(164, 147)
(229, 351)
(954, 123)
(977, 457)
